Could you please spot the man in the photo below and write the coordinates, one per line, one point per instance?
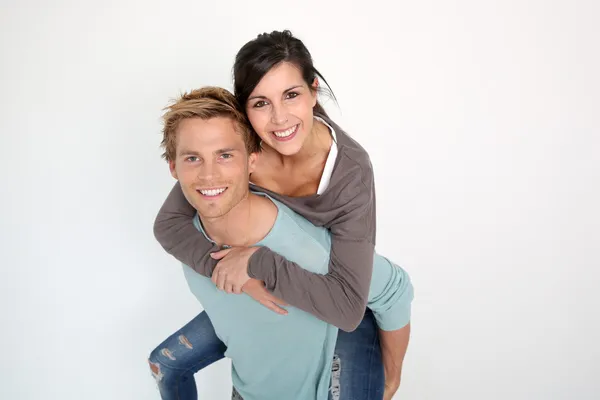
(211, 152)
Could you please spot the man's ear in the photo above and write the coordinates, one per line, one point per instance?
(252, 158)
(172, 168)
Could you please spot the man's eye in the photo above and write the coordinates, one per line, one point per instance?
(192, 159)
(226, 155)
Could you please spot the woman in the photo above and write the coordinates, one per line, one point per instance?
(308, 163)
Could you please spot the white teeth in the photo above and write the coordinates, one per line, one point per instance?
(286, 133)
(212, 192)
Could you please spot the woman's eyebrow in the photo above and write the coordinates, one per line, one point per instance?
(264, 97)
(292, 88)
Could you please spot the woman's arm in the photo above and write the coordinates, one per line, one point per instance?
(340, 296)
(175, 231)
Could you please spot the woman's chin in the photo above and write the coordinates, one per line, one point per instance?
(286, 148)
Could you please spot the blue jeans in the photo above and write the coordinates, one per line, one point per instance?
(357, 371)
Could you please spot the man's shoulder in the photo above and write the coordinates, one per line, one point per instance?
(298, 240)
(291, 225)
(287, 219)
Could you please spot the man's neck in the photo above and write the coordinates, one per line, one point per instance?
(247, 223)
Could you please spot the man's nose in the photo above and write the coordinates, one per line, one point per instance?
(208, 171)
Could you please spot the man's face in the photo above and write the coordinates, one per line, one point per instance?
(212, 165)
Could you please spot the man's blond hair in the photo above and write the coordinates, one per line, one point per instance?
(205, 103)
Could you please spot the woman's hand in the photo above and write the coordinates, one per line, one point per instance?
(256, 289)
(231, 272)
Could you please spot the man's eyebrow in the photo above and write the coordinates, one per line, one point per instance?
(188, 152)
(226, 150)
(264, 97)
(195, 153)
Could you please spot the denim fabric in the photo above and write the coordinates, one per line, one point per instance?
(357, 372)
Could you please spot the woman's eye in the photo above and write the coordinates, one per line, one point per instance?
(292, 95)
(260, 104)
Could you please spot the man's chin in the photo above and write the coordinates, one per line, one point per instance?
(210, 211)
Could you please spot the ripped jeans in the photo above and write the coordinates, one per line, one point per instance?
(357, 370)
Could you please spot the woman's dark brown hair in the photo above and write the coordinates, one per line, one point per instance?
(259, 56)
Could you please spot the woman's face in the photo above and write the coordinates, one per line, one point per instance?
(280, 109)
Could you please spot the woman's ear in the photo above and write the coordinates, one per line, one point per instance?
(314, 91)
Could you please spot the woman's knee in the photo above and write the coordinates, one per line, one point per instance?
(160, 362)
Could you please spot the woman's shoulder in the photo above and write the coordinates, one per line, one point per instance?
(347, 145)
(352, 158)
(352, 172)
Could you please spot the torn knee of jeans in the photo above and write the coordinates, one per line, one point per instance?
(184, 341)
(167, 353)
(335, 377)
(156, 372)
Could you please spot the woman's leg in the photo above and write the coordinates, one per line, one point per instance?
(357, 372)
(175, 361)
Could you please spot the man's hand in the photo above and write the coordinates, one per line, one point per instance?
(256, 289)
(231, 273)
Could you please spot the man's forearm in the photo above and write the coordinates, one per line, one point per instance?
(393, 349)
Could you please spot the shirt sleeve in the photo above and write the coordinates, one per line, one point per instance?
(391, 295)
(340, 296)
(175, 231)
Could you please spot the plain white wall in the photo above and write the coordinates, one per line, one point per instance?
(482, 121)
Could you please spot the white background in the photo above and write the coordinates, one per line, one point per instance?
(482, 121)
